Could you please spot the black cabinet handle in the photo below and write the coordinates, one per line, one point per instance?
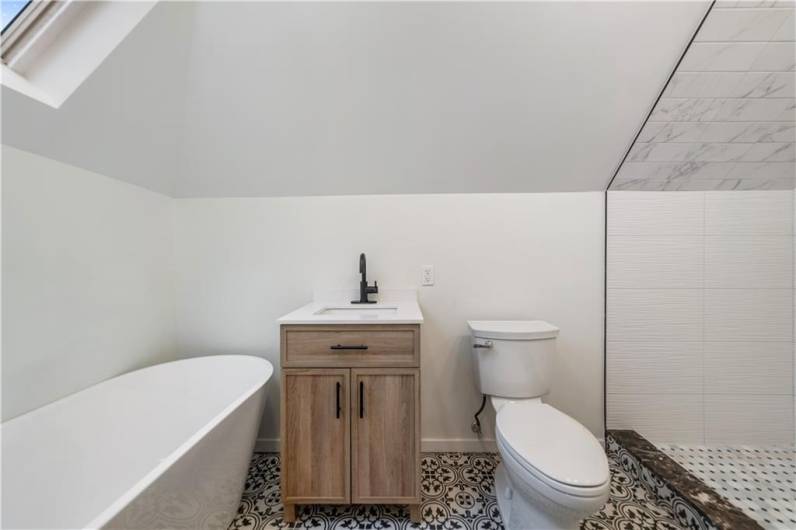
(361, 399)
(337, 400)
(350, 347)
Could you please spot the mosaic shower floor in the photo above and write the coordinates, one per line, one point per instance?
(761, 481)
(458, 494)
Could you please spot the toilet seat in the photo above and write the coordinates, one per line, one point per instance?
(554, 448)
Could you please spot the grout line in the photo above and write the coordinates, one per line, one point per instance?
(761, 9)
(702, 288)
(725, 98)
(757, 122)
(738, 71)
(605, 315)
(704, 274)
(733, 42)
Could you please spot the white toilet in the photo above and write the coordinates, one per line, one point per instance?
(554, 471)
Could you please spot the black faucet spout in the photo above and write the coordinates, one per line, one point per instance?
(364, 288)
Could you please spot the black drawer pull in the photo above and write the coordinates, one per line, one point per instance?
(361, 399)
(350, 347)
(337, 401)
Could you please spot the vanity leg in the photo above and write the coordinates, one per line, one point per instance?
(414, 513)
(290, 513)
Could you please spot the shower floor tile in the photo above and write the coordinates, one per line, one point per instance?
(458, 494)
(761, 481)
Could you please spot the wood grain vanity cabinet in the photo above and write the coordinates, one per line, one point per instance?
(350, 418)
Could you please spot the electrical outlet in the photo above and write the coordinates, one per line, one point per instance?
(428, 274)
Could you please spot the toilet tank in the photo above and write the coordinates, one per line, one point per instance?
(513, 358)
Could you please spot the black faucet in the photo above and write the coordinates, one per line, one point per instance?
(364, 289)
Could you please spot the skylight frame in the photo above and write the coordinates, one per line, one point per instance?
(18, 14)
(26, 27)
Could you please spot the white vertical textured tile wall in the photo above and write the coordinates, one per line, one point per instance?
(749, 262)
(754, 213)
(748, 367)
(646, 315)
(659, 417)
(640, 213)
(655, 368)
(654, 262)
(700, 316)
(748, 419)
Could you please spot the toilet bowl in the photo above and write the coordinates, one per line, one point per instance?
(553, 471)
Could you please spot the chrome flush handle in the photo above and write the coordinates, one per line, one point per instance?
(486, 344)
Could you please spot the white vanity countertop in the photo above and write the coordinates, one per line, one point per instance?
(333, 306)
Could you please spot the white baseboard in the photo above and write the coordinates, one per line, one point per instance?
(427, 445)
(266, 445)
(457, 445)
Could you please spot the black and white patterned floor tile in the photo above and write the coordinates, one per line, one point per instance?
(761, 481)
(458, 494)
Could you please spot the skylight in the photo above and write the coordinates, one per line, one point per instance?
(10, 10)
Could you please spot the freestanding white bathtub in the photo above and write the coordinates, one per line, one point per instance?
(163, 447)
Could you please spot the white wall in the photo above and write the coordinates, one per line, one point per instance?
(242, 263)
(700, 316)
(87, 279)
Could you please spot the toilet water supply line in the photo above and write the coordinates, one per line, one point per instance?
(476, 426)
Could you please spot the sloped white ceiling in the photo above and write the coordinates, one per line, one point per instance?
(271, 99)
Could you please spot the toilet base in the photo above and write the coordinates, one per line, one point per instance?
(520, 514)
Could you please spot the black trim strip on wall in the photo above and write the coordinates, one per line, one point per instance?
(605, 216)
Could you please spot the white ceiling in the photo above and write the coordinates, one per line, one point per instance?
(271, 99)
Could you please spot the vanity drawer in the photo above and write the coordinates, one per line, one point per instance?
(341, 345)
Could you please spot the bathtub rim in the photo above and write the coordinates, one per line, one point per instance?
(158, 470)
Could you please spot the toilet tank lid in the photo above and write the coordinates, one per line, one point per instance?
(512, 329)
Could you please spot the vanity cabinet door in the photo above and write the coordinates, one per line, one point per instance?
(385, 424)
(316, 434)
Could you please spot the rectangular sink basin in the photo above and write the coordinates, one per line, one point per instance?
(333, 306)
(358, 311)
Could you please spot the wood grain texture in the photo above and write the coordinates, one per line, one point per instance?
(316, 444)
(385, 436)
(289, 514)
(394, 345)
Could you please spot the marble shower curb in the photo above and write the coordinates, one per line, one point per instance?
(695, 505)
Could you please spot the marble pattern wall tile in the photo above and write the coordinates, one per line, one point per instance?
(721, 56)
(728, 112)
(743, 25)
(724, 110)
(731, 85)
(715, 132)
(748, 4)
